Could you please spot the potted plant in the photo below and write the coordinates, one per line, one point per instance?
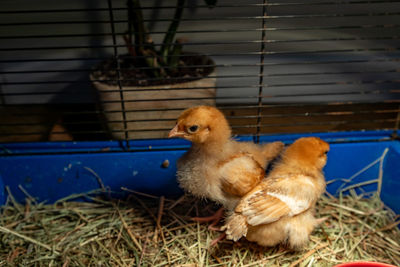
(154, 78)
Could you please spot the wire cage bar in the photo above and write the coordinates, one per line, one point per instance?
(274, 67)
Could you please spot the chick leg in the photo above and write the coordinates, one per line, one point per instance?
(321, 220)
(214, 219)
(215, 241)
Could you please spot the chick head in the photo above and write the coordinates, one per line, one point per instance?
(308, 152)
(201, 124)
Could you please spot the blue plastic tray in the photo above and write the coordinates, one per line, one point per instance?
(50, 171)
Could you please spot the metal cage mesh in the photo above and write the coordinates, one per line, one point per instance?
(280, 67)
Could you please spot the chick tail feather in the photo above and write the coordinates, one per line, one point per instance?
(235, 227)
(272, 150)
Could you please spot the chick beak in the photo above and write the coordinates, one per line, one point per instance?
(175, 132)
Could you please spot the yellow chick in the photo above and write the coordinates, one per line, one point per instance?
(280, 209)
(217, 167)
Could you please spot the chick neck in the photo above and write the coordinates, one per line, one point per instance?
(216, 140)
(300, 167)
(211, 146)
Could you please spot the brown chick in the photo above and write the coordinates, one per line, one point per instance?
(217, 167)
(281, 208)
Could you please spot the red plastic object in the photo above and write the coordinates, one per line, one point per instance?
(364, 264)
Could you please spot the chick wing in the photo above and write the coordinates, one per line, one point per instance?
(240, 173)
(268, 203)
(271, 200)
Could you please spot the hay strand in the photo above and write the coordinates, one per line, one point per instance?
(27, 238)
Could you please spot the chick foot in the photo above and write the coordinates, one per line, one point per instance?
(214, 219)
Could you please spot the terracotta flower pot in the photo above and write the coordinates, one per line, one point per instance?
(146, 107)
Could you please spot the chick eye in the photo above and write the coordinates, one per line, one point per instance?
(193, 128)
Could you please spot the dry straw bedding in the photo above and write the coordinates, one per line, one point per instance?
(144, 230)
